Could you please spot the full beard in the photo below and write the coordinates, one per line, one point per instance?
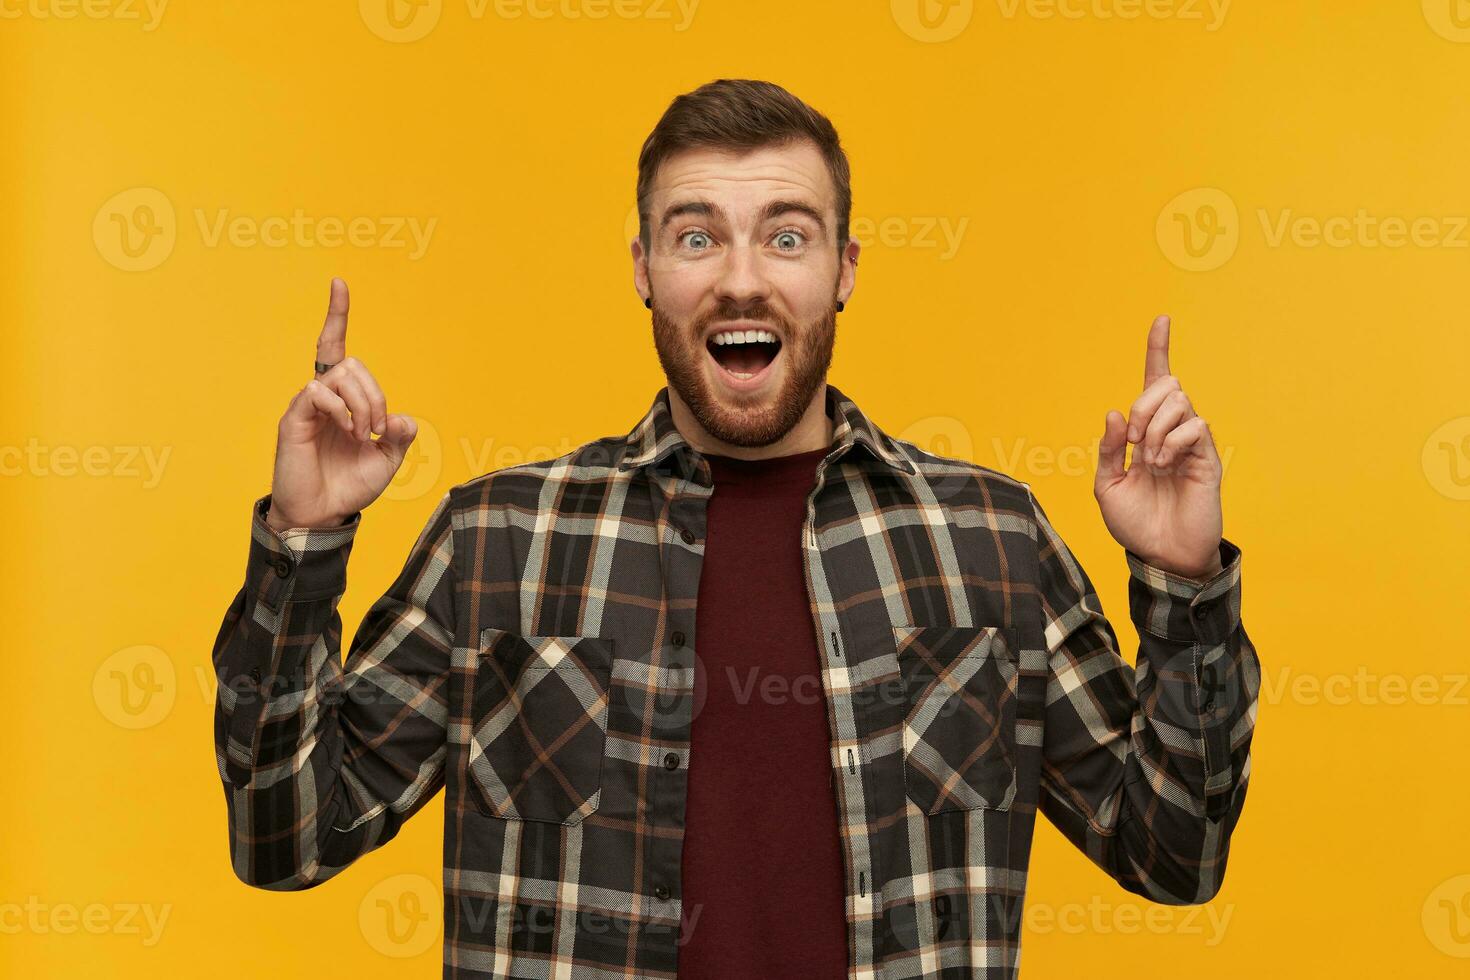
(808, 353)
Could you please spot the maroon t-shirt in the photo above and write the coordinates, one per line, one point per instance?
(762, 861)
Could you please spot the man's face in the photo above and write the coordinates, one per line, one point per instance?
(745, 241)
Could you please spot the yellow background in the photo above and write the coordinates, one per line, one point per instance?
(1055, 148)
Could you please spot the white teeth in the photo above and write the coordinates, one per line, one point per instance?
(744, 337)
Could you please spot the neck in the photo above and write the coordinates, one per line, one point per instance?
(812, 431)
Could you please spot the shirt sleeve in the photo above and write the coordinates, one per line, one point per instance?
(1145, 768)
(321, 762)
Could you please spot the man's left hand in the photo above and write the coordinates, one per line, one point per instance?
(1165, 507)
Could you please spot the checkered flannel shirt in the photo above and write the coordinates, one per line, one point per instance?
(535, 658)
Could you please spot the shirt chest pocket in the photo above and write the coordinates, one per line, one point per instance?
(959, 731)
(539, 725)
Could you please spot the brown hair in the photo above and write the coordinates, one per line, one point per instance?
(741, 114)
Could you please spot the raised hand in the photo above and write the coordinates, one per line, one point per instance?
(1165, 507)
(328, 465)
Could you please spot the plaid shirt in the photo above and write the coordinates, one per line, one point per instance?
(535, 658)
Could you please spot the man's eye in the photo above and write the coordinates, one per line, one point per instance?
(696, 240)
(788, 240)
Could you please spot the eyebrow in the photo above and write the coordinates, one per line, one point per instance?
(773, 210)
(777, 208)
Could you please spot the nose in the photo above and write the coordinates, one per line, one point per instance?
(742, 281)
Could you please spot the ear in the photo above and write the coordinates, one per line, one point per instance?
(847, 270)
(640, 270)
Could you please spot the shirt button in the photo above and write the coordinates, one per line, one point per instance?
(661, 892)
(255, 675)
(671, 761)
(687, 535)
(678, 639)
(283, 567)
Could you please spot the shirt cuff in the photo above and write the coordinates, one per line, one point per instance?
(1183, 609)
(298, 564)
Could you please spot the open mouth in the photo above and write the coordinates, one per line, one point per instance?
(744, 355)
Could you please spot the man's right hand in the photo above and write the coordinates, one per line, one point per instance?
(328, 466)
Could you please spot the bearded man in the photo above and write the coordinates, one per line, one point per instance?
(754, 689)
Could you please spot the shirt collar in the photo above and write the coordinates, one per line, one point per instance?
(655, 437)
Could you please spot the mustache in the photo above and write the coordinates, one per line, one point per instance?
(730, 311)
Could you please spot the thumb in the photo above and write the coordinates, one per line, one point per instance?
(398, 435)
(1111, 450)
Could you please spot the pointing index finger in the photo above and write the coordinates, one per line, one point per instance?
(1156, 361)
(331, 345)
